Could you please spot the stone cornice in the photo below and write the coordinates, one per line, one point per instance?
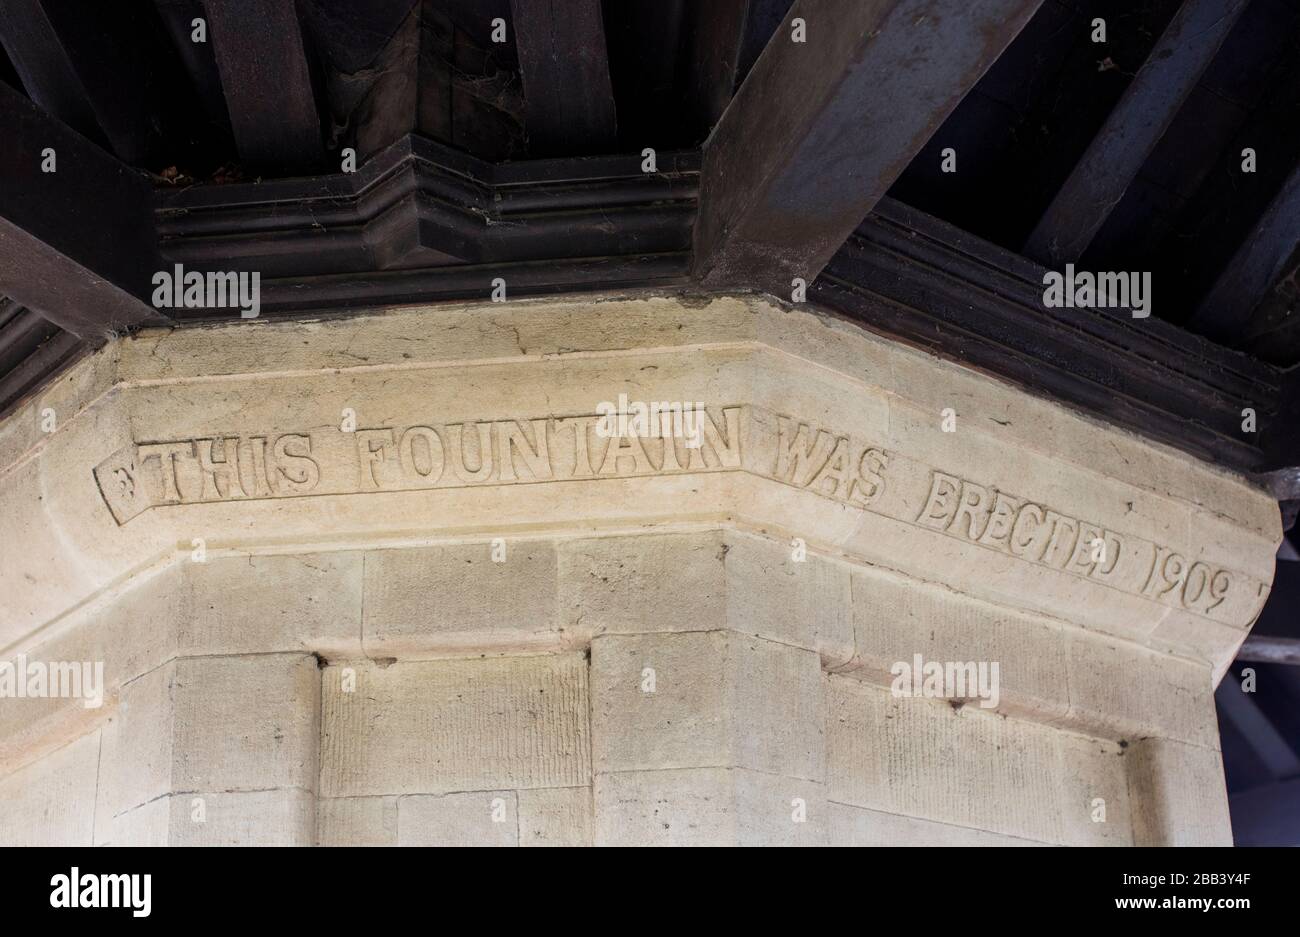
(815, 430)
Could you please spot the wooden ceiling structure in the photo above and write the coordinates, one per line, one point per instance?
(509, 138)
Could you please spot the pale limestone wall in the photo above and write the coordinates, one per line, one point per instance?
(769, 686)
(348, 664)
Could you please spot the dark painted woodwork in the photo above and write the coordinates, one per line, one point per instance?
(1260, 264)
(821, 129)
(77, 245)
(88, 63)
(569, 101)
(262, 60)
(1132, 130)
(917, 279)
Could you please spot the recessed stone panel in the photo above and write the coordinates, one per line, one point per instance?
(434, 727)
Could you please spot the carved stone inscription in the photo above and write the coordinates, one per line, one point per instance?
(456, 455)
(1034, 532)
(837, 466)
(1020, 528)
(829, 464)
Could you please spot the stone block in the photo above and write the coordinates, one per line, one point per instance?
(454, 600)
(212, 724)
(643, 584)
(722, 579)
(711, 699)
(560, 816)
(1177, 794)
(356, 821)
(220, 818)
(926, 759)
(858, 826)
(708, 807)
(896, 618)
(431, 727)
(1127, 692)
(480, 818)
(255, 604)
(51, 802)
(246, 723)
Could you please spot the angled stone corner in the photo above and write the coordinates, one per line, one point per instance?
(387, 581)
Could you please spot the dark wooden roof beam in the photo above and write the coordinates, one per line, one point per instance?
(1260, 264)
(79, 60)
(370, 59)
(568, 98)
(726, 38)
(821, 128)
(77, 245)
(262, 59)
(1131, 132)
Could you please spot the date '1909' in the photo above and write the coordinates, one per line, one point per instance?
(1196, 585)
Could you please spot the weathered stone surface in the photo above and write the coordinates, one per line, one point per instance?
(51, 802)
(1178, 794)
(556, 817)
(708, 807)
(138, 745)
(218, 724)
(857, 826)
(481, 818)
(707, 699)
(705, 581)
(895, 619)
(223, 606)
(1126, 693)
(296, 602)
(356, 821)
(1049, 671)
(640, 584)
(837, 440)
(221, 818)
(825, 528)
(433, 727)
(456, 600)
(245, 723)
(924, 758)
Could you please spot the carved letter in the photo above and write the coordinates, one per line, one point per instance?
(581, 445)
(835, 471)
(425, 462)
(512, 437)
(870, 483)
(796, 459)
(1000, 521)
(372, 452)
(723, 452)
(1081, 560)
(621, 447)
(973, 507)
(1064, 530)
(1114, 544)
(460, 460)
(220, 472)
(167, 453)
(939, 509)
(1027, 530)
(297, 470)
